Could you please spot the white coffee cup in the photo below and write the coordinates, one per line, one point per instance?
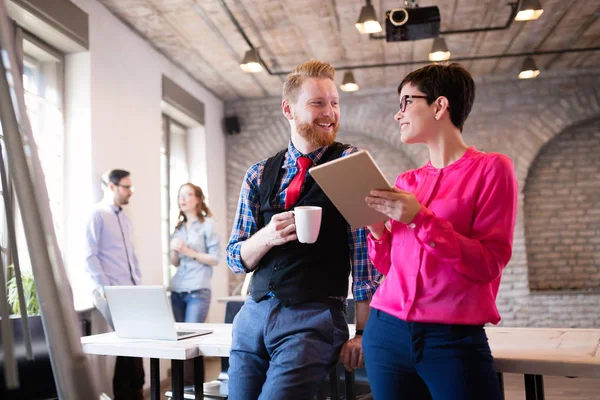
(308, 223)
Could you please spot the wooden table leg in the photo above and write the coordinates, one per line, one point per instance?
(154, 379)
(199, 378)
(177, 379)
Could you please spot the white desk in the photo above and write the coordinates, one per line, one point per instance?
(531, 351)
(216, 344)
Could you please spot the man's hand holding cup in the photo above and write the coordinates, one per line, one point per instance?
(281, 229)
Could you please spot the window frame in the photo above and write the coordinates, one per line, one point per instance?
(168, 121)
(49, 54)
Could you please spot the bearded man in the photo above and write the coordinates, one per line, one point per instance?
(292, 329)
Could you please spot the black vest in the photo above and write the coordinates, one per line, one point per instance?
(298, 272)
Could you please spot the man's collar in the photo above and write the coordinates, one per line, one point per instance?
(114, 207)
(294, 153)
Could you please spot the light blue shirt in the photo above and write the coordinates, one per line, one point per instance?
(202, 238)
(110, 257)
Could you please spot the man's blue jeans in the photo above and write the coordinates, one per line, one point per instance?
(191, 306)
(413, 360)
(284, 353)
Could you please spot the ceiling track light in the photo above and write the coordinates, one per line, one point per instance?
(349, 83)
(439, 50)
(529, 10)
(367, 20)
(529, 69)
(251, 62)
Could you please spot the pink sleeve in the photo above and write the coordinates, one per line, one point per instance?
(379, 251)
(484, 254)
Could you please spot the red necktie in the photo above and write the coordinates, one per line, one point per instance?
(293, 191)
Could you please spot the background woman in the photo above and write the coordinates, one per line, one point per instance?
(195, 250)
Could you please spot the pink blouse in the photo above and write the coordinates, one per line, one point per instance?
(445, 266)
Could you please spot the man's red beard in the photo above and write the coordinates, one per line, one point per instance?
(320, 139)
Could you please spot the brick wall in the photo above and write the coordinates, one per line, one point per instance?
(562, 211)
(510, 116)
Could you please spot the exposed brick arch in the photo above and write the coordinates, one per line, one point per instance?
(562, 211)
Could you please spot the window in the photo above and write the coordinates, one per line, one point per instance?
(42, 68)
(174, 173)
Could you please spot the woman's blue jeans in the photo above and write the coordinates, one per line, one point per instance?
(191, 306)
(415, 361)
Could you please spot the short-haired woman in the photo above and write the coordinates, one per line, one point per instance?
(443, 251)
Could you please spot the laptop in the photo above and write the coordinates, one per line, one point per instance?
(144, 312)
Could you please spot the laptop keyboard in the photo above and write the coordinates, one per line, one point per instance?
(184, 333)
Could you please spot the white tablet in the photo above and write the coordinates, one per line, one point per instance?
(347, 181)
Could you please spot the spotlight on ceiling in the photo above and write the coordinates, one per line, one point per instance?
(529, 69)
(367, 20)
(349, 83)
(251, 62)
(439, 50)
(529, 10)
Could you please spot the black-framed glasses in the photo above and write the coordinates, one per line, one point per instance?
(403, 100)
(127, 187)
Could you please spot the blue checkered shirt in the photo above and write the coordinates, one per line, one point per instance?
(365, 278)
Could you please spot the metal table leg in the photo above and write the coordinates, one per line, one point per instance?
(534, 387)
(154, 379)
(321, 393)
(199, 378)
(501, 380)
(350, 394)
(334, 384)
(177, 379)
(539, 386)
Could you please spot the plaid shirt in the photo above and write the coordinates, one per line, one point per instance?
(365, 278)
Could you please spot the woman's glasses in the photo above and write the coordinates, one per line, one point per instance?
(403, 100)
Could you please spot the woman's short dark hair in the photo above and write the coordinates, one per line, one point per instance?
(451, 81)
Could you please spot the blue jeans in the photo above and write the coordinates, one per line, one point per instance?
(190, 306)
(413, 360)
(283, 353)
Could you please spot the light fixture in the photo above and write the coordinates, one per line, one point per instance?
(529, 10)
(251, 62)
(348, 83)
(439, 50)
(529, 69)
(367, 20)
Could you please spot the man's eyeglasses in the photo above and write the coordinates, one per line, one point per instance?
(403, 100)
(127, 187)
